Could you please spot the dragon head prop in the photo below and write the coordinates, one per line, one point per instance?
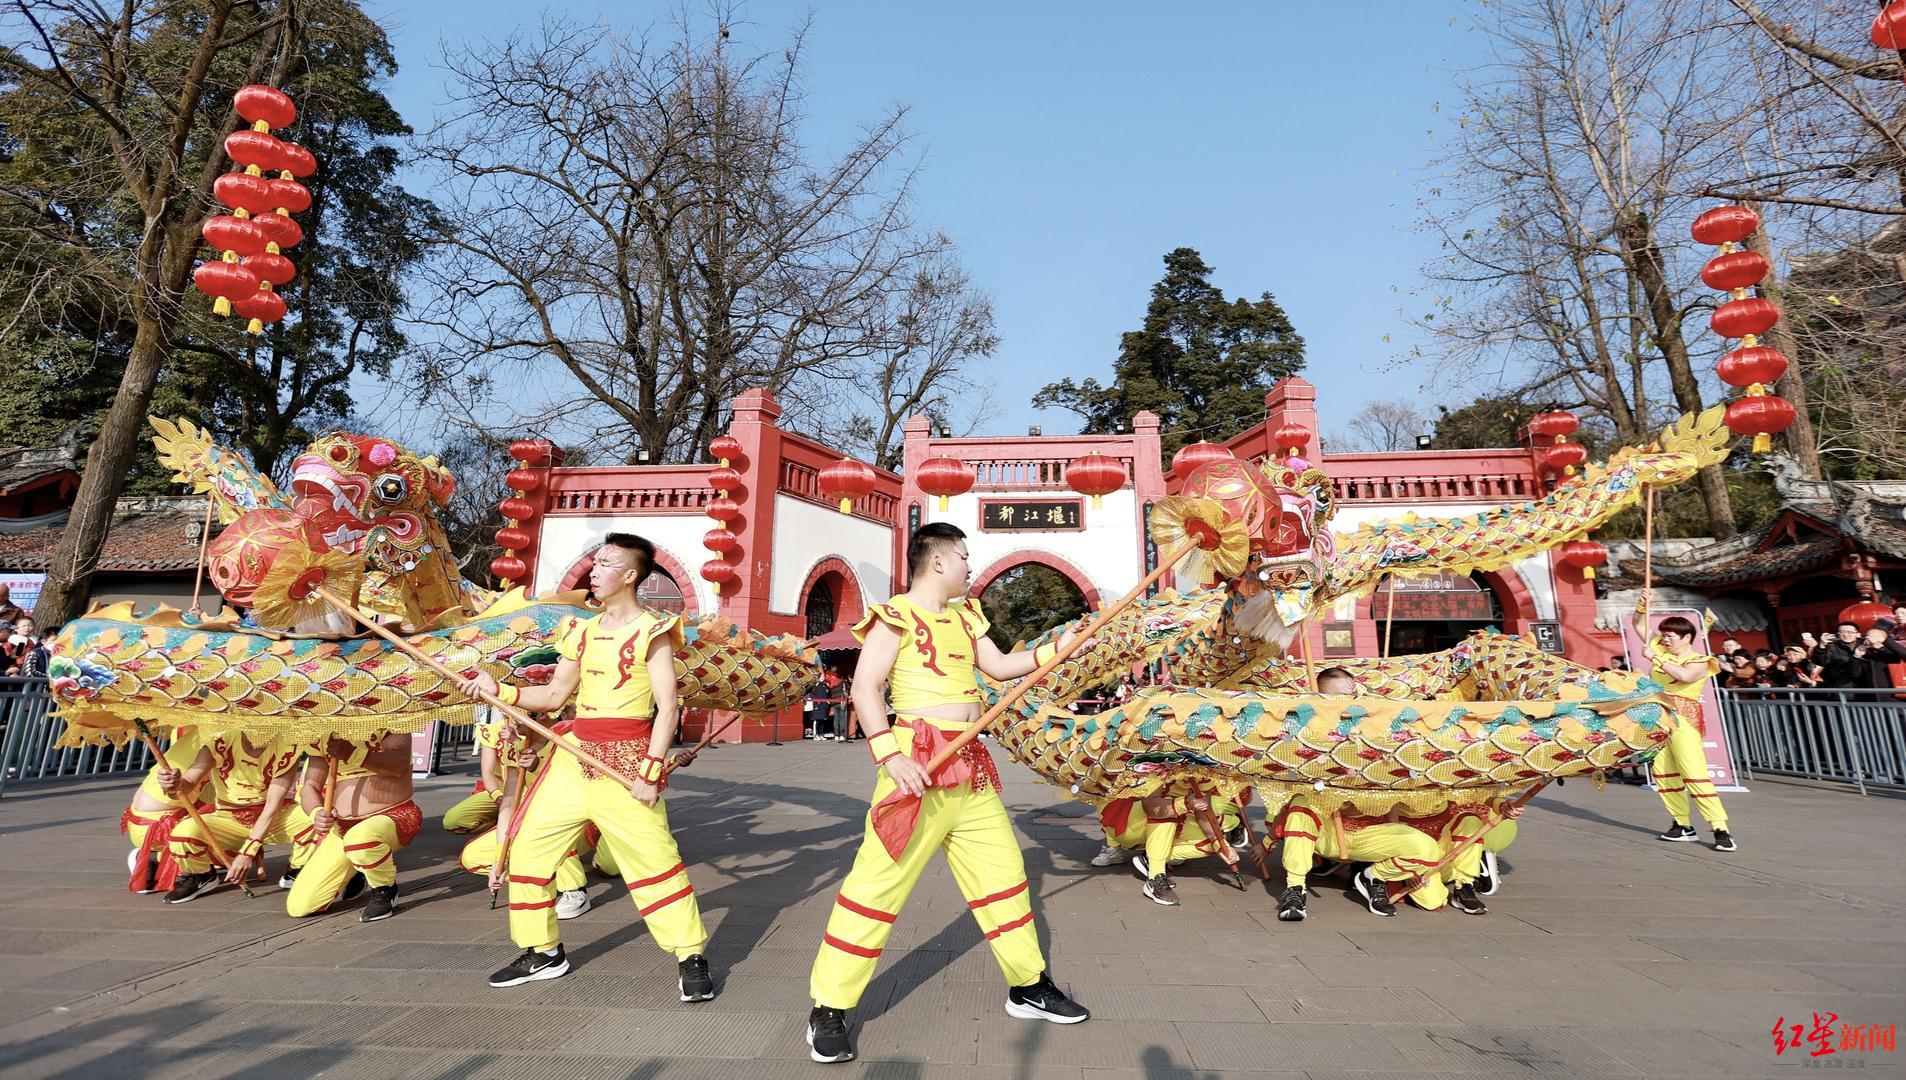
(1286, 506)
(355, 500)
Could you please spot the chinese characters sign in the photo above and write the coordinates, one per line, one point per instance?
(1020, 515)
(1822, 1038)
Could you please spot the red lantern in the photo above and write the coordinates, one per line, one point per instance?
(265, 105)
(243, 191)
(226, 282)
(1584, 555)
(1735, 270)
(727, 449)
(946, 477)
(724, 509)
(1566, 456)
(296, 160)
(1756, 364)
(723, 479)
(280, 229)
(1554, 423)
(721, 573)
(270, 266)
(1187, 460)
(720, 541)
(1867, 612)
(1725, 225)
(1759, 416)
(1095, 475)
(509, 568)
(228, 233)
(287, 196)
(522, 480)
(533, 453)
(259, 308)
(517, 509)
(1238, 488)
(1740, 318)
(1889, 27)
(847, 480)
(257, 151)
(514, 538)
(1291, 439)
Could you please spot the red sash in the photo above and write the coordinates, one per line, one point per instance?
(895, 816)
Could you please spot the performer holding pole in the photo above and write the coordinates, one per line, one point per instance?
(363, 815)
(926, 643)
(249, 785)
(620, 667)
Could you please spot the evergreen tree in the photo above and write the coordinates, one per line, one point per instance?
(1201, 362)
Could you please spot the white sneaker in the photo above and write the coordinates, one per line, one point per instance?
(1109, 855)
(571, 904)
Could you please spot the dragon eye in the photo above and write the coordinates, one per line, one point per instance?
(392, 488)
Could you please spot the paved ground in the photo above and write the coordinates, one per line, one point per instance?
(1606, 954)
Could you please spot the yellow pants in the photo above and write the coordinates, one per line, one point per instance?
(292, 826)
(472, 815)
(984, 855)
(1177, 840)
(480, 854)
(636, 835)
(1463, 869)
(368, 847)
(1680, 770)
(1395, 852)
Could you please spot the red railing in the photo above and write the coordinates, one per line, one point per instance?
(630, 489)
(1482, 476)
(802, 460)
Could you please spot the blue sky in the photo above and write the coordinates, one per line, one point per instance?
(1069, 146)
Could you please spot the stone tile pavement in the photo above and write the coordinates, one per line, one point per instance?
(1606, 953)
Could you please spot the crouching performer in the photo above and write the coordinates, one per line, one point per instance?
(371, 817)
(249, 788)
(927, 643)
(149, 819)
(1159, 833)
(1393, 849)
(620, 665)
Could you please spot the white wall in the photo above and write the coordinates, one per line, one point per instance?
(1107, 551)
(567, 538)
(804, 534)
(1534, 571)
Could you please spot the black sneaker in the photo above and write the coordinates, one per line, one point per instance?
(1237, 837)
(1487, 875)
(1140, 866)
(353, 887)
(1464, 899)
(288, 879)
(1290, 904)
(190, 887)
(532, 966)
(381, 905)
(1044, 1001)
(827, 1038)
(1159, 890)
(691, 975)
(1723, 840)
(1680, 834)
(1374, 894)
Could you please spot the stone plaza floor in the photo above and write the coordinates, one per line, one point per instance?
(1606, 953)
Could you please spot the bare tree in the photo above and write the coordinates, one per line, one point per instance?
(1381, 427)
(637, 233)
(140, 94)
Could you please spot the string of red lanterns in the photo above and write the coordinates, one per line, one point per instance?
(530, 455)
(724, 540)
(1558, 424)
(251, 238)
(1751, 367)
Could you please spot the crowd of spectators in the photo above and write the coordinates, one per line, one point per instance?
(1846, 659)
(23, 651)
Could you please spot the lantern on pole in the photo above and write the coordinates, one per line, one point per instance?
(945, 477)
(847, 480)
(1095, 475)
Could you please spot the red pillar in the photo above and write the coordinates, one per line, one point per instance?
(1291, 401)
(755, 413)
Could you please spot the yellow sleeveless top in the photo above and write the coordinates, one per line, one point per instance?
(178, 755)
(1691, 690)
(939, 653)
(240, 777)
(615, 672)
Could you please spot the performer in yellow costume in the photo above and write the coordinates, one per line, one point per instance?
(372, 816)
(620, 665)
(1680, 770)
(150, 817)
(1164, 832)
(249, 786)
(495, 804)
(927, 643)
(1395, 849)
(1469, 871)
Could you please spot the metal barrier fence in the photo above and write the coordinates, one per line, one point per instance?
(28, 731)
(1850, 736)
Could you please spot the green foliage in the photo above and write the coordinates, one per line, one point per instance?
(1680, 512)
(1490, 422)
(1027, 601)
(1201, 362)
